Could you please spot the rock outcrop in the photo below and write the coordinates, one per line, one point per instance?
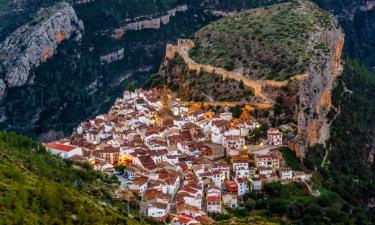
(113, 56)
(315, 92)
(33, 43)
(153, 23)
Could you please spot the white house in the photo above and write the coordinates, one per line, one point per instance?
(184, 148)
(171, 179)
(265, 170)
(63, 150)
(213, 200)
(256, 184)
(217, 130)
(130, 173)
(139, 185)
(230, 200)
(179, 122)
(224, 169)
(243, 187)
(93, 137)
(216, 178)
(157, 209)
(240, 168)
(177, 109)
(172, 159)
(226, 116)
(233, 144)
(274, 136)
(286, 173)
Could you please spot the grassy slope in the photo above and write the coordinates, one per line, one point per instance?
(37, 188)
(268, 42)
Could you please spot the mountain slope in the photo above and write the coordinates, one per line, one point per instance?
(37, 188)
(122, 42)
(96, 85)
(265, 43)
(306, 98)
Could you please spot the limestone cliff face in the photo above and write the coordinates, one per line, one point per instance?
(113, 56)
(153, 23)
(315, 92)
(33, 43)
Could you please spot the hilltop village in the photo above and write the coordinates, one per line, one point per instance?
(183, 162)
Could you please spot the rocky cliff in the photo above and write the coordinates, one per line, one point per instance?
(35, 42)
(152, 23)
(314, 94)
(113, 56)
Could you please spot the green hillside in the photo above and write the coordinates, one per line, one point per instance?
(271, 42)
(37, 188)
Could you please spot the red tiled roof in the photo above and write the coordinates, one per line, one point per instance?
(60, 147)
(273, 131)
(213, 199)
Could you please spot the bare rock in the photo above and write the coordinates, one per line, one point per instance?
(153, 23)
(35, 42)
(316, 91)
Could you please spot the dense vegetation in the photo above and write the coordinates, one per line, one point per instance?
(250, 220)
(37, 188)
(291, 204)
(290, 157)
(349, 169)
(358, 22)
(271, 42)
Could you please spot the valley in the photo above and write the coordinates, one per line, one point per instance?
(187, 112)
(102, 63)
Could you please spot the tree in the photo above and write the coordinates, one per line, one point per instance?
(241, 85)
(257, 133)
(250, 204)
(229, 66)
(130, 87)
(120, 167)
(236, 111)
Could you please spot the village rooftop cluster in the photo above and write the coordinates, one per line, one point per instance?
(183, 162)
